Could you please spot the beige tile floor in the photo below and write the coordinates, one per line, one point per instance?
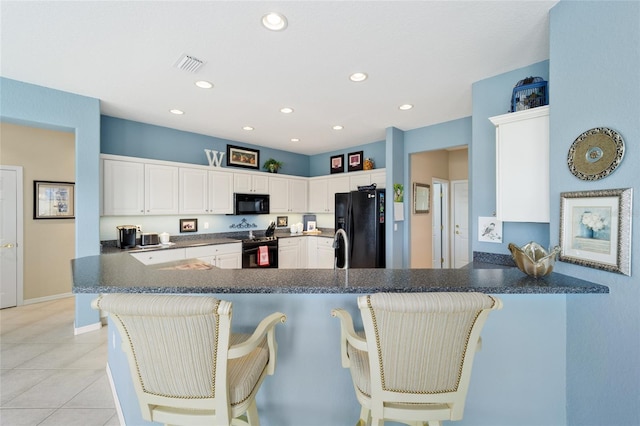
(49, 376)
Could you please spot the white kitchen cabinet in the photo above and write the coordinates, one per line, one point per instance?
(159, 256)
(320, 252)
(298, 195)
(322, 193)
(161, 189)
(132, 188)
(522, 165)
(220, 192)
(292, 253)
(278, 195)
(194, 191)
(287, 195)
(251, 183)
(379, 177)
(325, 253)
(122, 188)
(366, 178)
(203, 191)
(223, 256)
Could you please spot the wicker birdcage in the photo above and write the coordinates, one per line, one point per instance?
(528, 93)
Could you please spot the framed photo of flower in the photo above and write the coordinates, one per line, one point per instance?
(595, 229)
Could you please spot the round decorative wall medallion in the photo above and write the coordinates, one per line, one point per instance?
(595, 154)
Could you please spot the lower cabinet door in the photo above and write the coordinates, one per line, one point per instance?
(229, 261)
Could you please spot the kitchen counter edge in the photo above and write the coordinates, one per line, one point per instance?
(121, 273)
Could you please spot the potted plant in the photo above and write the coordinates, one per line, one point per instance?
(272, 165)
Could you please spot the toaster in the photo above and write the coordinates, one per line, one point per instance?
(149, 239)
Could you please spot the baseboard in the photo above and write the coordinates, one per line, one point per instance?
(115, 396)
(87, 328)
(46, 298)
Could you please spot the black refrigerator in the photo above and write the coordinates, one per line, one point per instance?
(362, 215)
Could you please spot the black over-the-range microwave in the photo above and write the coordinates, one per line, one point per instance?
(244, 204)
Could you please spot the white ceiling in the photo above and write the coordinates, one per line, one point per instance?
(426, 53)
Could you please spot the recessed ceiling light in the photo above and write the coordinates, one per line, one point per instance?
(274, 21)
(405, 107)
(338, 127)
(204, 84)
(176, 111)
(358, 77)
(286, 110)
(295, 140)
(247, 128)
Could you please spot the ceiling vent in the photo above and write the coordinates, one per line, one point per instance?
(189, 63)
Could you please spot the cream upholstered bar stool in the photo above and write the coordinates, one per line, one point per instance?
(413, 361)
(187, 367)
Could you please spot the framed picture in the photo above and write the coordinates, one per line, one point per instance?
(421, 198)
(337, 163)
(311, 225)
(188, 225)
(489, 229)
(282, 221)
(243, 157)
(595, 229)
(53, 200)
(355, 161)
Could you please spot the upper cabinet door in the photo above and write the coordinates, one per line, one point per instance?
(522, 165)
(161, 189)
(123, 188)
(335, 186)
(220, 192)
(278, 195)
(298, 195)
(194, 190)
(248, 183)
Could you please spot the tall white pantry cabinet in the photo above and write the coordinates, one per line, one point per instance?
(522, 165)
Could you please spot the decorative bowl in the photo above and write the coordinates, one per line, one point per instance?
(533, 259)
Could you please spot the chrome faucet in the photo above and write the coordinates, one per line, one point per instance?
(346, 246)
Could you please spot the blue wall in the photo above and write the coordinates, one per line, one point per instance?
(38, 106)
(319, 163)
(491, 97)
(134, 139)
(595, 72)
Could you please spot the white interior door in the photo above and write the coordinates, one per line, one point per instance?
(440, 223)
(460, 215)
(11, 223)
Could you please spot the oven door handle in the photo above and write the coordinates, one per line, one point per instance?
(254, 250)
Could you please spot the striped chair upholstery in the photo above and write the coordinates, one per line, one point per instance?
(413, 360)
(187, 367)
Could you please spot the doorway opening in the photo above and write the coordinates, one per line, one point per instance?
(431, 234)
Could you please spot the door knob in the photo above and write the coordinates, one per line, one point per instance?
(8, 245)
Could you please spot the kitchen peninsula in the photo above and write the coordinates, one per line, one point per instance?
(309, 382)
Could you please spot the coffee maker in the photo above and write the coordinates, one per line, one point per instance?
(126, 236)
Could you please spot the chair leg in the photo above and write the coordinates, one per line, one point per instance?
(365, 417)
(252, 414)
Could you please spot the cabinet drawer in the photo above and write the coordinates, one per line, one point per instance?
(213, 250)
(159, 256)
(325, 242)
(288, 242)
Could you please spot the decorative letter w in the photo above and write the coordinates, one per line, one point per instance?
(214, 157)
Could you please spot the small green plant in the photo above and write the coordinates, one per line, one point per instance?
(398, 192)
(272, 165)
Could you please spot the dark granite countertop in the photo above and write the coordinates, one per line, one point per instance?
(109, 246)
(122, 273)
